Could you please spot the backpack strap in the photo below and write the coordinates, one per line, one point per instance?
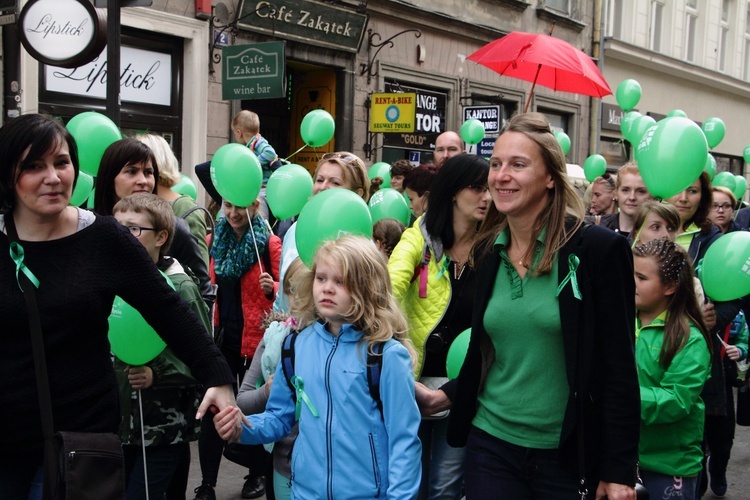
(287, 360)
(422, 270)
(190, 210)
(374, 368)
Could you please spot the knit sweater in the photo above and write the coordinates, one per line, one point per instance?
(79, 277)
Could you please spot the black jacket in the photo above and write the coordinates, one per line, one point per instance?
(598, 336)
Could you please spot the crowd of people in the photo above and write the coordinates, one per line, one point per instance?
(595, 362)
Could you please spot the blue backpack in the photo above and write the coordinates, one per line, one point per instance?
(374, 367)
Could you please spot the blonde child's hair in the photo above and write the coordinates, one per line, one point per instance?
(247, 120)
(166, 161)
(364, 269)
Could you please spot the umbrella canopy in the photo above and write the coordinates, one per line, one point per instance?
(545, 60)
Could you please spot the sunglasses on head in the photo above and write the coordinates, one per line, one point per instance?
(339, 156)
(608, 178)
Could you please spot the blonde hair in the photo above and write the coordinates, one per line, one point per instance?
(364, 269)
(630, 167)
(562, 199)
(166, 161)
(247, 121)
(725, 191)
(352, 168)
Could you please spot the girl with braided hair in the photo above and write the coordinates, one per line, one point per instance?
(673, 356)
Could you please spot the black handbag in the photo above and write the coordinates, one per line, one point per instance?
(77, 465)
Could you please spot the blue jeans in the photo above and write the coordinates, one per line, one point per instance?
(662, 486)
(514, 472)
(162, 462)
(21, 482)
(442, 465)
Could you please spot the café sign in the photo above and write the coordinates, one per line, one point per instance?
(64, 33)
(305, 21)
(255, 71)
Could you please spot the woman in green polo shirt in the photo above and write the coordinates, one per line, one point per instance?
(547, 399)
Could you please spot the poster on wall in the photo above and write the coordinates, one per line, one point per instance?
(145, 77)
(429, 117)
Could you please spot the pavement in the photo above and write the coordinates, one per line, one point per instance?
(231, 476)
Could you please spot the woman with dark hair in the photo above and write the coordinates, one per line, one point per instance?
(81, 261)
(438, 302)
(697, 232)
(399, 170)
(547, 401)
(128, 166)
(417, 187)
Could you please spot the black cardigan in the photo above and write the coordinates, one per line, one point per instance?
(598, 336)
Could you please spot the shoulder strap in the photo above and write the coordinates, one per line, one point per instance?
(374, 368)
(422, 270)
(190, 210)
(40, 369)
(267, 257)
(287, 361)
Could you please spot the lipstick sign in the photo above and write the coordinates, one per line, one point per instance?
(63, 33)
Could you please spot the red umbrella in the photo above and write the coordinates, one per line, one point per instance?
(545, 60)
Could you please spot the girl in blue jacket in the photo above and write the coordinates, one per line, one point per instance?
(347, 447)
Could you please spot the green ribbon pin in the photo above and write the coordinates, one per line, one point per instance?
(573, 262)
(445, 263)
(16, 253)
(299, 389)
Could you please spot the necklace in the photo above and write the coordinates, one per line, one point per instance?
(458, 269)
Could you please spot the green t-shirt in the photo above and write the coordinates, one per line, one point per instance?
(524, 398)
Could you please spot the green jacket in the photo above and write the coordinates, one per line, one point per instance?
(422, 314)
(672, 411)
(169, 405)
(195, 221)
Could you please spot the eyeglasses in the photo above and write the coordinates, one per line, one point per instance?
(608, 178)
(339, 156)
(478, 188)
(137, 230)
(723, 207)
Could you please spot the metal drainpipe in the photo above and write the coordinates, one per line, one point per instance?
(595, 110)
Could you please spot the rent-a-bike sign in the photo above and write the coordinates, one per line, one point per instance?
(393, 112)
(254, 71)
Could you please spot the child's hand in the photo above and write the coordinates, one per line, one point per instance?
(733, 353)
(228, 423)
(140, 377)
(267, 386)
(709, 315)
(266, 283)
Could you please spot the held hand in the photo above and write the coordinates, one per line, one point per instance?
(430, 401)
(140, 377)
(219, 397)
(266, 283)
(733, 353)
(269, 382)
(614, 491)
(709, 315)
(228, 423)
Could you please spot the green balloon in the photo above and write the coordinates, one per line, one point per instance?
(725, 179)
(677, 112)
(389, 204)
(81, 192)
(739, 190)
(472, 131)
(628, 94)
(380, 169)
(288, 189)
(639, 128)
(710, 167)
(236, 173)
(329, 215)
(714, 129)
(725, 275)
(186, 186)
(671, 156)
(457, 353)
(563, 140)
(93, 133)
(594, 166)
(627, 122)
(317, 128)
(90, 200)
(746, 154)
(131, 338)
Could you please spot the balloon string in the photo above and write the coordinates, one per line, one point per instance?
(300, 149)
(143, 443)
(255, 243)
